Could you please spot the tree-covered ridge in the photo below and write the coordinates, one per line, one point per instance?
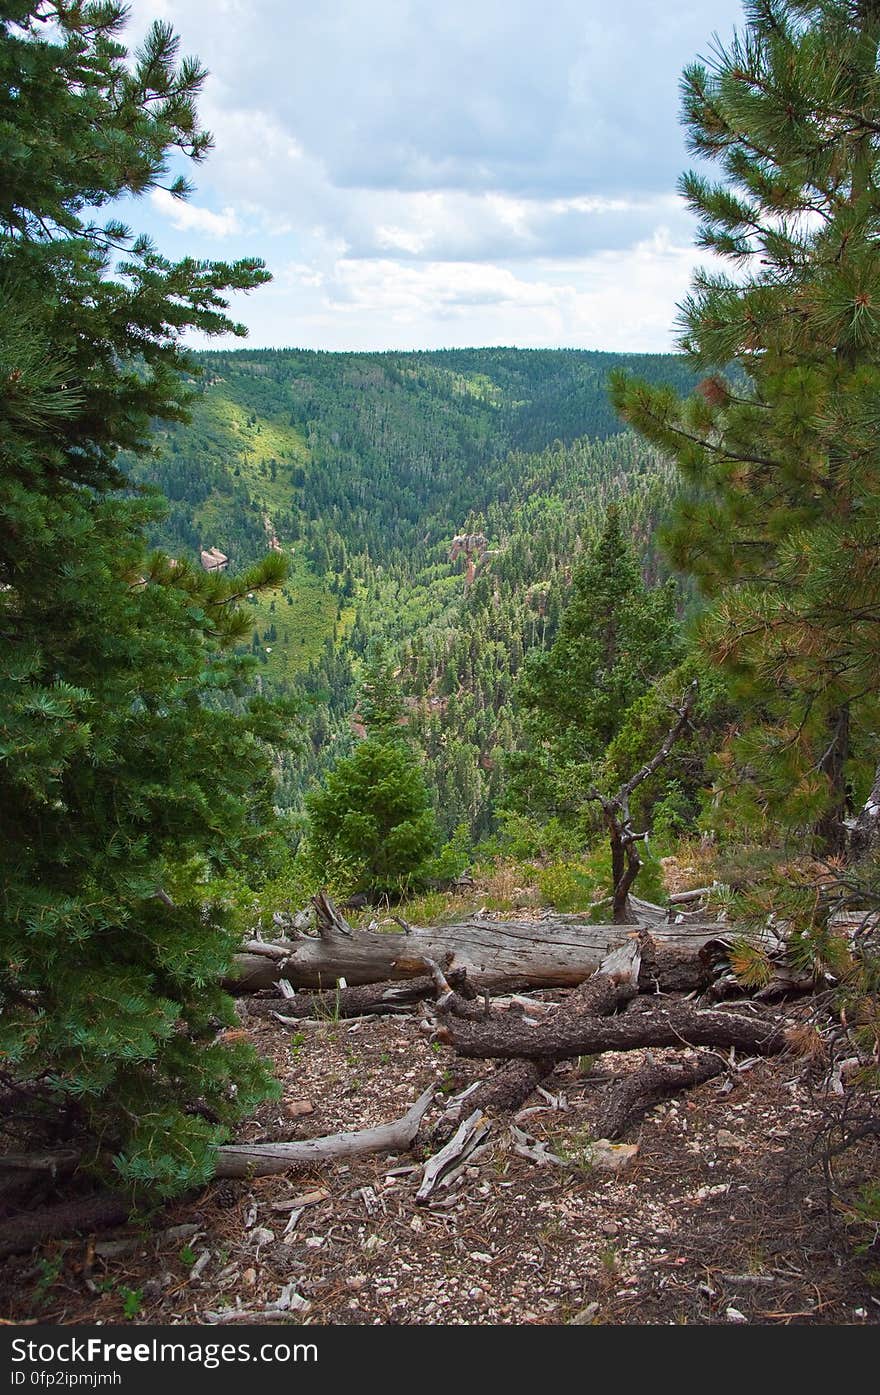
(362, 468)
(378, 450)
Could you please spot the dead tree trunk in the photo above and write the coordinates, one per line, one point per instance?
(626, 862)
(631, 1095)
(668, 1024)
(615, 982)
(500, 955)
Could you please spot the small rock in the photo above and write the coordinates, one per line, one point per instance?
(417, 1224)
(609, 1228)
(262, 1235)
(249, 1278)
(734, 1315)
(611, 1157)
(725, 1139)
(112, 1249)
(585, 1316)
(178, 1232)
(296, 1109)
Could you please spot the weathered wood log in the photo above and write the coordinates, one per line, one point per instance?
(614, 983)
(669, 1023)
(631, 1095)
(497, 954)
(55, 1163)
(685, 898)
(22, 1232)
(261, 1159)
(246, 1160)
(377, 999)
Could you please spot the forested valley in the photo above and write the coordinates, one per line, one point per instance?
(439, 791)
(362, 470)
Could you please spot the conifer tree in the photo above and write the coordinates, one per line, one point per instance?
(780, 446)
(372, 826)
(127, 796)
(615, 637)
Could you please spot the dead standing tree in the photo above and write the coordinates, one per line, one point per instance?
(626, 862)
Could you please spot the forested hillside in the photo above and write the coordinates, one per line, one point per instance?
(362, 468)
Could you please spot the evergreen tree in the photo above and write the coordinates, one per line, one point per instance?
(372, 825)
(127, 797)
(615, 637)
(780, 447)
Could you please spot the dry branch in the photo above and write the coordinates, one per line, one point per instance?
(632, 1095)
(379, 999)
(667, 1024)
(442, 1169)
(261, 1159)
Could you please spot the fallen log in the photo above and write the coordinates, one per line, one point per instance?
(614, 983)
(631, 1095)
(261, 1159)
(497, 954)
(22, 1232)
(372, 999)
(246, 1160)
(669, 1023)
(505, 1090)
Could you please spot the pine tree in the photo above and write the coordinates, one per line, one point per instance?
(128, 799)
(372, 825)
(780, 447)
(615, 637)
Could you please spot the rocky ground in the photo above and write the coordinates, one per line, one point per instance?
(716, 1219)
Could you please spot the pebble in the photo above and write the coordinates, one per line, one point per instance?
(585, 1316)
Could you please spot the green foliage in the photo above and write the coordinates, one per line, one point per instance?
(389, 456)
(779, 448)
(615, 636)
(672, 799)
(128, 798)
(372, 826)
(571, 885)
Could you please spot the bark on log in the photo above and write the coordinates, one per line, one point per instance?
(497, 954)
(509, 1087)
(667, 1024)
(21, 1233)
(376, 999)
(631, 1095)
(614, 983)
(260, 1159)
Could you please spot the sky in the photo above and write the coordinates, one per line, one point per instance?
(425, 174)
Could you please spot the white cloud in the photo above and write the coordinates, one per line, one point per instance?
(188, 217)
(421, 175)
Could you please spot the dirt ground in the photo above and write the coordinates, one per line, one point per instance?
(715, 1221)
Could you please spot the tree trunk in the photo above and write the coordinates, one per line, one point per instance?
(669, 1024)
(866, 831)
(632, 1094)
(831, 828)
(501, 955)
